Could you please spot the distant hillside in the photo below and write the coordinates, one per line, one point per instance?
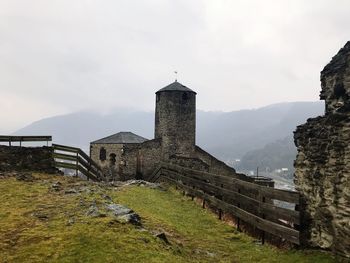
(275, 155)
(227, 135)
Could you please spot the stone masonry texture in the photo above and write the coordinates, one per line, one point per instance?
(175, 122)
(34, 159)
(322, 166)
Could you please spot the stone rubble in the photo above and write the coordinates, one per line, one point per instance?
(124, 214)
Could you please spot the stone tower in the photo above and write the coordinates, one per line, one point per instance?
(175, 120)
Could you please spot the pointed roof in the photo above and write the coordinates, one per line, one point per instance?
(121, 138)
(176, 86)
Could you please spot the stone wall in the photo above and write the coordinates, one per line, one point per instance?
(110, 169)
(175, 122)
(322, 166)
(129, 162)
(35, 159)
(216, 166)
(150, 156)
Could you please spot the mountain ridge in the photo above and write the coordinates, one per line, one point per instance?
(226, 135)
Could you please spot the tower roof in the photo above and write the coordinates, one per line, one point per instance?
(176, 86)
(121, 138)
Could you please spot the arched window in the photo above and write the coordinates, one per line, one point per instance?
(112, 159)
(102, 154)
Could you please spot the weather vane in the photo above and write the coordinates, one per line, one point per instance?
(175, 75)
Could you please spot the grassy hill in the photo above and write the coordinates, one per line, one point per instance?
(46, 219)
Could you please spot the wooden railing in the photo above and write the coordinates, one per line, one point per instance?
(75, 159)
(247, 201)
(10, 139)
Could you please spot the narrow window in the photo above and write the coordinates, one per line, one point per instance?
(184, 97)
(112, 159)
(102, 154)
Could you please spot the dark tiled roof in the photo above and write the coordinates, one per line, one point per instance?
(175, 86)
(122, 138)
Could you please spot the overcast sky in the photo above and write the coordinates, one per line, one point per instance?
(61, 56)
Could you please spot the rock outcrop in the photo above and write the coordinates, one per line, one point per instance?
(322, 166)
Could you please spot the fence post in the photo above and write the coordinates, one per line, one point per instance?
(76, 163)
(238, 219)
(220, 198)
(192, 194)
(89, 169)
(263, 232)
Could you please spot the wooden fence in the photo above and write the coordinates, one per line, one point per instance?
(247, 201)
(10, 139)
(75, 159)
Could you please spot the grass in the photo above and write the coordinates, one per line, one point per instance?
(38, 224)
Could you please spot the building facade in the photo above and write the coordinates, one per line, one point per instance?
(174, 142)
(109, 153)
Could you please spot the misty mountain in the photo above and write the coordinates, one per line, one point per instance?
(227, 135)
(275, 155)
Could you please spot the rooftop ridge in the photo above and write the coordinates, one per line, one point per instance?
(176, 86)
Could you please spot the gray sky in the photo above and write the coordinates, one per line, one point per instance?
(60, 56)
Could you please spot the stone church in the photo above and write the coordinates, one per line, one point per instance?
(126, 155)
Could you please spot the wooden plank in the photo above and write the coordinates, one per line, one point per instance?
(62, 156)
(232, 197)
(89, 168)
(7, 138)
(269, 192)
(65, 148)
(35, 138)
(154, 176)
(289, 234)
(72, 166)
(88, 175)
(88, 159)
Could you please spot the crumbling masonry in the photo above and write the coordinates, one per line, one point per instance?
(322, 166)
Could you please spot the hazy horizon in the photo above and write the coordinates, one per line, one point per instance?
(110, 111)
(63, 56)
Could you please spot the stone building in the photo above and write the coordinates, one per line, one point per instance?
(322, 166)
(174, 142)
(109, 152)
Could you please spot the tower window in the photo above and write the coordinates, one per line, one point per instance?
(157, 97)
(184, 97)
(102, 154)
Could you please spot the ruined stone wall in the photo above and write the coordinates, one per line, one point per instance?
(216, 166)
(129, 159)
(110, 170)
(36, 159)
(189, 162)
(110, 149)
(150, 156)
(322, 166)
